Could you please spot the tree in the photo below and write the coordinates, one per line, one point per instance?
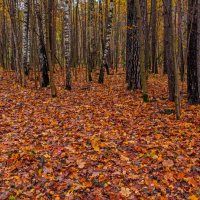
(198, 43)
(15, 37)
(180, 42)
(154, 66)
(132, 48)
(91, 39)
(168, 48)
(192, 74)
(48, 49)
(26, 37)
(107, 44)
(142, 51)
(67, 30)
(42, 50)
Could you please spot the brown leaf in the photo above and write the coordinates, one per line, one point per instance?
(81, 164)
(168, 163)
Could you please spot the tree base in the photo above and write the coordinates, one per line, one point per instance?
(145, 98)
(68, 87)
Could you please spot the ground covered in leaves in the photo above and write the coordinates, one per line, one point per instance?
(97, 142)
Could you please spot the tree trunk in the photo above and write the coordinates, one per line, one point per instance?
(180, 43)
(198, 42)
(154, 66)
(68, 53)
(42, 50)
(168, 50)
(48, 50)
(142, 51)
(26, 37)
(107, 45)
(132, 49)
(192, 77)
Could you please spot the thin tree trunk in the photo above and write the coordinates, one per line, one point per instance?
(26, 37)
(168, 51)
(107, 45)
(68, 53)
(180, 43)
(52, 85)
(154, 66)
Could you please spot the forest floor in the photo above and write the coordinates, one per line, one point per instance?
(97, 142)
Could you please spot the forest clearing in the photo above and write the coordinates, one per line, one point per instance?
(99, 100)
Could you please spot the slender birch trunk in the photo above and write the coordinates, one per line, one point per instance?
(107, 44)
(26, 37)
(67, 38)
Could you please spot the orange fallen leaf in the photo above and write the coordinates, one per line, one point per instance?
(192, 181)
(180, 175)
(193, 197)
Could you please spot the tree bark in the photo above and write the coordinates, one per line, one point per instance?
(68, 49)
(132, 49)
(107, 45)
(154, 66)
(192, 74)
(142, 51)
(168, 50)
(42, 50)
(26, 37)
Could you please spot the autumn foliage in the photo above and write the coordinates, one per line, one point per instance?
(97, 142)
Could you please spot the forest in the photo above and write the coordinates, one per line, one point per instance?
(100, 99)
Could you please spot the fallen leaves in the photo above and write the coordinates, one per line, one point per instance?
(102, 143)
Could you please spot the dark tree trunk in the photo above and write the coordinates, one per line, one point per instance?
(154, 66)
(192, 75)
(132, 49)
(42, 49)
(168, 51)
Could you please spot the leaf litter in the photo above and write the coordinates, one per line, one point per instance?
(101, 143)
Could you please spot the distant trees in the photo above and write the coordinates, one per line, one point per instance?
(44, 36)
